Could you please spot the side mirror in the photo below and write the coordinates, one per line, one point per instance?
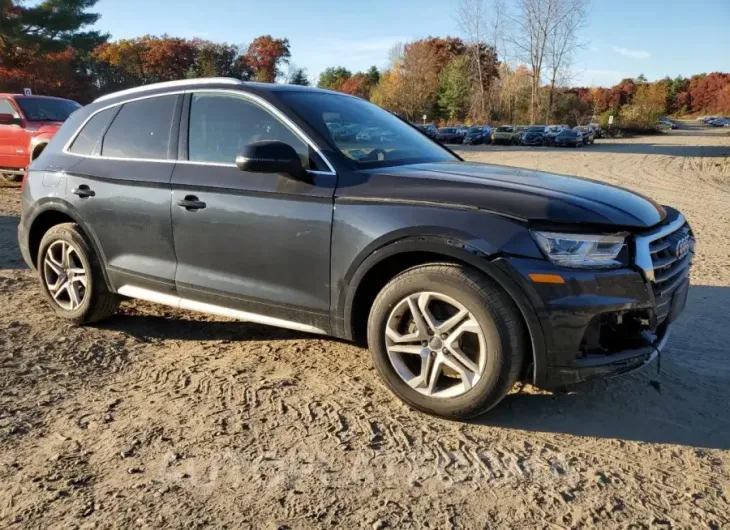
(270, 156)
(9, 119)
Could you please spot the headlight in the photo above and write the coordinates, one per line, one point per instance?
(581, 250)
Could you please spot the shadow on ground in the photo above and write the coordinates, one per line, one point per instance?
(10, 257)
(176, 326)
(690, 408)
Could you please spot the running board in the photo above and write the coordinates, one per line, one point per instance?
(192, 305)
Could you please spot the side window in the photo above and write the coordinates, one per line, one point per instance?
(221, 125)
(7, 108)
(88, 141)
(141, 129)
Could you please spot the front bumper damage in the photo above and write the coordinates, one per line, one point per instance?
(604, 323)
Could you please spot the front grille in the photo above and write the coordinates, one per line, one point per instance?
(671, 256)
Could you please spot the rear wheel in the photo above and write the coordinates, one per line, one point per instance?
(446, 340)
(71, 277)
(9, 177)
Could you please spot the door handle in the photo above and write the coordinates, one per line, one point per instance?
(191, 202)
(84, 191)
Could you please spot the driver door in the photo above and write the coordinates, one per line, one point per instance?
(252, 242)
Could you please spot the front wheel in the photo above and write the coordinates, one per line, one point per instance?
(71, 278)
(446, 340)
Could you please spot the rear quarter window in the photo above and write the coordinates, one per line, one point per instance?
(142, 129)
(88, 141)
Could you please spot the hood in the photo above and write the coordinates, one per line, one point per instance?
(515, 192)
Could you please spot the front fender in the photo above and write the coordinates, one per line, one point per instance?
(366, 234)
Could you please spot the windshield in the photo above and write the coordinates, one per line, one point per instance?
(474, 130)
(537, 129)
(382, 139)
(46, 109)
(447, 130)
(504, 129)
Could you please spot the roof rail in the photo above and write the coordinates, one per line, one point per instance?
(171, 84)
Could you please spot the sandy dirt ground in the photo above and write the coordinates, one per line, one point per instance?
(165, 419)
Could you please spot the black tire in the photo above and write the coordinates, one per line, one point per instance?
(98, 301)
(9, 177)
(498, 319)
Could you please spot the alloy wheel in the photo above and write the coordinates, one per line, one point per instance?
(435, 345)
(65, 275)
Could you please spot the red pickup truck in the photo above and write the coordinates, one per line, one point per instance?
(27, 124)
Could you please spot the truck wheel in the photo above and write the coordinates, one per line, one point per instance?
(71, 277)
(446, 340)
(9, 177)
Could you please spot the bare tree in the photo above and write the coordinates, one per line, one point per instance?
(562, 44)
(534, 26)
(471, 17)
(481, 23)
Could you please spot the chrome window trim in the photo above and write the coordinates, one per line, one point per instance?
(643, 243)
(171, 84)
(277, 113)
(245, 95)
(112, 105)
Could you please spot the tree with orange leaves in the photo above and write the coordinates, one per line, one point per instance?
(264, 56)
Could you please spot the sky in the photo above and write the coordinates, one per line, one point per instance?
(623, 38)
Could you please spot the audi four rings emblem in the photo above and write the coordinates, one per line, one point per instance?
(682, 247)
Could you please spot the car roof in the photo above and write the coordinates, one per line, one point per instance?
(38, 96)
(209, 82)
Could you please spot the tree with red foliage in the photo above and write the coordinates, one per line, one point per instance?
(264, 56)
(704, 91)
(356, 85)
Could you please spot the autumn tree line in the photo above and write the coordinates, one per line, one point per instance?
(512, 65)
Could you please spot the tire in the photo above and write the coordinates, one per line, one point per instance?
(96, 301)
(497, 317)
(9, 177)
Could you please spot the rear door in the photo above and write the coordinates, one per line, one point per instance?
(261, 242)
(121, 188)
(14, 140)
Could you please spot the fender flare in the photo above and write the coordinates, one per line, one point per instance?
(42, 139)
(464, 252)
(59, 205)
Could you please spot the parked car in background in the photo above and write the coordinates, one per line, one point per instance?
(589, 137)
(374, 134)
(462, 278)
(478, 135)
(429, 130)
(534, 135)
(719, 122)
(667, 123)
(462, 129)
(508, 134)
(597, 130)
(449, 135)
(569, 137)
(27, 124)
(551, 132)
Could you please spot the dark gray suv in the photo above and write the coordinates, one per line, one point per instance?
(234, 198)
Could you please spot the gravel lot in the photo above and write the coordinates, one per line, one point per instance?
(161, 418)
